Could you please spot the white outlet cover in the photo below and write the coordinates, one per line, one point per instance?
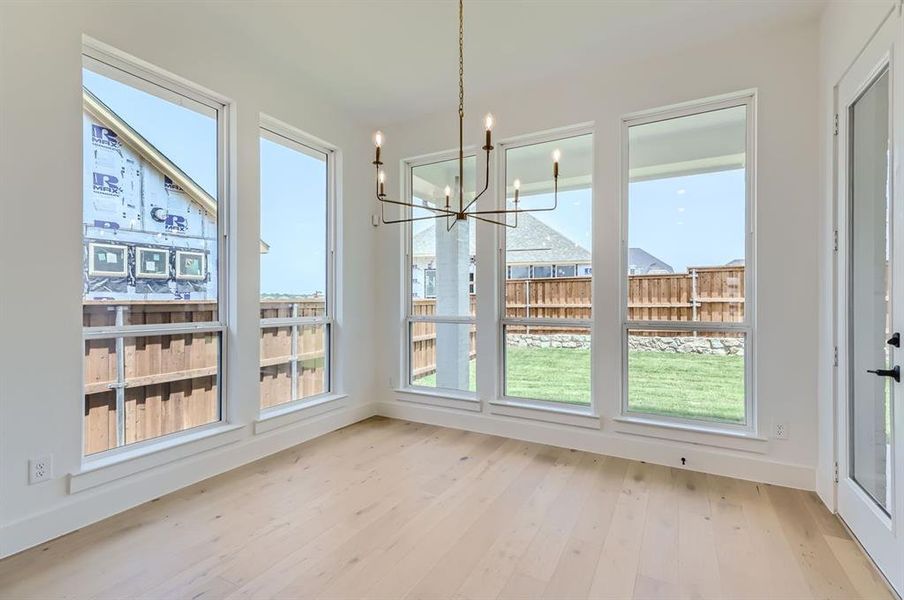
(781, 431)
(40, 469)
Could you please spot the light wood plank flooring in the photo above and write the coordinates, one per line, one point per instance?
(391, 509)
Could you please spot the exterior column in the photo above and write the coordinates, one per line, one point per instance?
(452, 340)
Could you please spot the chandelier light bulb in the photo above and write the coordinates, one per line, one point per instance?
(488, 121)
(378, 139)
(448, 191)
(556, 155)
(382, 177)
(517, 184)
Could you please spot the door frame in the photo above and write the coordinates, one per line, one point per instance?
(881, 535)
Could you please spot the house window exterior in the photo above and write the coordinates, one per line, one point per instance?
(430, 283)
(566, 270)
(541, 271)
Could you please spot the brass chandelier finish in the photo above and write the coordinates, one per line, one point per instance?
(453, 216)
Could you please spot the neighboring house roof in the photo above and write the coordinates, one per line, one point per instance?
(738, 262)
(643, 262)
(532, 242)
(150, 153)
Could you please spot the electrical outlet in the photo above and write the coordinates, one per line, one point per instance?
(40, 469)
(781, 431)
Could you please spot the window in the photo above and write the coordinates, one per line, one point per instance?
(429, 283)
(152, 263)
(546, 323)
(441, 328)
(566, 270)
(688, 323)
(152, 267)
(519, 271)
(296, 266)
(542, 271)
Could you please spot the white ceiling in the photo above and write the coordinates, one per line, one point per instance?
(383, 60)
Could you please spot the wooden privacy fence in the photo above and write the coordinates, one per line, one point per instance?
(283, 378)
(170, 382)
(706, 294)
(710, 294)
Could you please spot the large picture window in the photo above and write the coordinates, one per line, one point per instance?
(688, 325)
(296, 267)
(547, 273)
(442, 300)
(152, 262)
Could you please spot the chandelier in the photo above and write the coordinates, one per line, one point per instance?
(452, 213)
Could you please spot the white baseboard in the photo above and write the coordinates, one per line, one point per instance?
(104, 501)
(717, 461)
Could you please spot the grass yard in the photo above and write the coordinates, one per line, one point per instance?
(687, 385)
(682, 385)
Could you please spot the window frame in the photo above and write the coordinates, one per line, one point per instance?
(749, 427)
(429, 282)
(143, 76)
(141, 273)
(591, 409)
(301, 141)
(94, 272)
(408, 319)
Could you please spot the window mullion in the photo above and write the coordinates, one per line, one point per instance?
(162, 329)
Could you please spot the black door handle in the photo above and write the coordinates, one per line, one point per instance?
(894, 340)
(895, 373)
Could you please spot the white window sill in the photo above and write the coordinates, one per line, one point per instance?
(564, 414)
(292, 412)
(702, 434)
(445, 398)
(111, 467)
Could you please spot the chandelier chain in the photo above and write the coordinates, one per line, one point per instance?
(461, 213)
(461, 58)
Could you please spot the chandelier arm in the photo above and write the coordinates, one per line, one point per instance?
(409, 205)
(486, 185)
(512, 211)
(555, 205)
(491, 221)
(408, 220)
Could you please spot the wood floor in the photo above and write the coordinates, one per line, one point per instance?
(390, 509)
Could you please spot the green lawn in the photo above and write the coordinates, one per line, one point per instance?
(682, 385)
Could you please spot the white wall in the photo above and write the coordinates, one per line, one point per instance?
(782, 65)
(40, 306)
(844, 29)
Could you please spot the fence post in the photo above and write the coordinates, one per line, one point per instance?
(120, 385)
(293, 350)
(527, 298)
(694, 296)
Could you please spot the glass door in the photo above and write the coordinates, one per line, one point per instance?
(871, 343)
(871, 302)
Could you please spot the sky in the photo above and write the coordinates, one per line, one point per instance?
(690, 221)
(293, 220)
